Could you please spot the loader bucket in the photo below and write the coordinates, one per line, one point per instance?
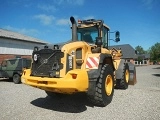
(132, 72)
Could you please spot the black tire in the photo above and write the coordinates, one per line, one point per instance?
(132, 75)
(104, 83)
(123, 82)
(16, 78)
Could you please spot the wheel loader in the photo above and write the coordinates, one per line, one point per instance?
(84, 64)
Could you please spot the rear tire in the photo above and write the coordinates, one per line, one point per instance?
(104, 87)
(16, 78)
(132, 75)
(123, 82)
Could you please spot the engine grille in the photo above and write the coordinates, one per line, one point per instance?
(46, 63)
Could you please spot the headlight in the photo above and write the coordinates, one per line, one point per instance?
(35, 48)
(56, 47)
(35, 58)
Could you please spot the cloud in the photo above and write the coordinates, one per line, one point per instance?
(83, 18)
(67, 21)
(25, 3)
(63, 22)
(148, 3)
(88, 17)
(45, 19)
(48, 8)
(30, 32)
(48, 19)
(71, 2)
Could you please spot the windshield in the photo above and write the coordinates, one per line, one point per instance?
(87, 34)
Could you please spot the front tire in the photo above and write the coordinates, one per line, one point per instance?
(104, 87)
(16, 78)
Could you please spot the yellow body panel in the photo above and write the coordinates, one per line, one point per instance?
(104, 50)
(61, 85)
(70, 49)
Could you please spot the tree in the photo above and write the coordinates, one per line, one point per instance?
(140, 59)
(155, 52)
(140, 50)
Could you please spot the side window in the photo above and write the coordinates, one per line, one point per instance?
(18, 63)
(79, 36)
(90, 37)
(105, 36)
(87, 37)
(88, 34)
(26, 63)
(11, 62)
(94, 35)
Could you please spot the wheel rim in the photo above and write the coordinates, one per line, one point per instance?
(127, 75)
(109, 85)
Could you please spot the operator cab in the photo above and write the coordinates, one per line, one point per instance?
(89, 30)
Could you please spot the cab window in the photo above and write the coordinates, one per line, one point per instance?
(87, 34)
(105, 36)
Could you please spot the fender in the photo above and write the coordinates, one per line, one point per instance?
(93, 74)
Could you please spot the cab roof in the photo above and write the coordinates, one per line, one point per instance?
(90, 23)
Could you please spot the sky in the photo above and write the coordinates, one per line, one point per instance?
(137, 20)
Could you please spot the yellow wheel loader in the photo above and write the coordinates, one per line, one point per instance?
(84, 64)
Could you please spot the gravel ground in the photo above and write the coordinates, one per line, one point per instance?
(139, 102)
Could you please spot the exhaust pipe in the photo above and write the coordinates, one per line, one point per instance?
(74, 29)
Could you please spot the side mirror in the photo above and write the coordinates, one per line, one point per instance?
(117, 36)
(55, 47)
(117, 39)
